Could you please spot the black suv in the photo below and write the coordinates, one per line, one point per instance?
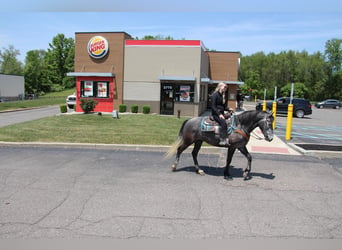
(301, 106)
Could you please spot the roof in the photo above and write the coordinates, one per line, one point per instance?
(100, 74)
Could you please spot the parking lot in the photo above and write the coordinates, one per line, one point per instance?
(323, 126)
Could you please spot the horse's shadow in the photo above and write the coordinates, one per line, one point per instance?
(235, 172)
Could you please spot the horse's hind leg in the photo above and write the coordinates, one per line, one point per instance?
(195, 151)
(180, 150)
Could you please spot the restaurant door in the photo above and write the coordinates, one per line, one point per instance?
(166, 99)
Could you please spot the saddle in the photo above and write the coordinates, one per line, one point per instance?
(208, 124)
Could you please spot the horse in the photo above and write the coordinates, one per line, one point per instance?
(240, 127)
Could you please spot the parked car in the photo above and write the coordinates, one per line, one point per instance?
(329, 103)
(71, 101)
(301, 107)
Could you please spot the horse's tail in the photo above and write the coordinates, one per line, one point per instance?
(172, 150)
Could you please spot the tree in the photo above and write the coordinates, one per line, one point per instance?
(260, 71)
(58, 61)
(9, 64)
(333, 55)
(157, 37)
(33, 72)
(299, 90)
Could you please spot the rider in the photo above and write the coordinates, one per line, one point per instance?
(218, 102)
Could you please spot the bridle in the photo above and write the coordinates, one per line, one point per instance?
(266, 118)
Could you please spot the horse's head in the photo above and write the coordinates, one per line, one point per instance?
(265, 124)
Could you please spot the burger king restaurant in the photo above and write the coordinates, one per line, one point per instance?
(171, 76)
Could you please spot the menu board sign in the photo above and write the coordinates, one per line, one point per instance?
(88, 88)
(102, 89)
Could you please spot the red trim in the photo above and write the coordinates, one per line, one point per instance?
(163, 42)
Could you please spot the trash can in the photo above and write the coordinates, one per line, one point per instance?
(115, 114)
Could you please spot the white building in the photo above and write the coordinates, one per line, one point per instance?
(12, 86)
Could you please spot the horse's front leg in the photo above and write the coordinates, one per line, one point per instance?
(195, 151)
(230, 153)
(246, 173)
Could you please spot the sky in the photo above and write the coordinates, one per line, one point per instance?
(245, 26)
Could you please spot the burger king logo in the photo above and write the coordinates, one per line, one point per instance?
(98, 47)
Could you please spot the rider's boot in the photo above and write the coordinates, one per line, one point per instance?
(224, 142)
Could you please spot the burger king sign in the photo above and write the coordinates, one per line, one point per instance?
(98, 47)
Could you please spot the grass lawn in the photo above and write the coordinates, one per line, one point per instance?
(53, 98)
(92, 128)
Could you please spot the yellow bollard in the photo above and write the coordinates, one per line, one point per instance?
(264, 105)
(274, 110)
(289, 122)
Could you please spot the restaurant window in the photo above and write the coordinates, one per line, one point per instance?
(184, 92)
(97, 89)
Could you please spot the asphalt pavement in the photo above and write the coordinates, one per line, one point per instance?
(73, 193)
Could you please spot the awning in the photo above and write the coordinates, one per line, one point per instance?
(99, 74)
(226, 82)
(205, 79)
(177, 78)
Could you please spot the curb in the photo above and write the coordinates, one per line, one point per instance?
(129, 147)
(316, 153)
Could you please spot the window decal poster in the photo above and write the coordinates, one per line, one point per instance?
(184, 93)
(88, 88)
(102, 89)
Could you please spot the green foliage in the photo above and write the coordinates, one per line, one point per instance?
(88, 105)
(134, 108)
(122, 108)
(333, 55)
(146, 109)
(33, 72)
(9, 64)
(299, 90)
(157, 37)
(58, 61)
(63, 108)
(311, 73)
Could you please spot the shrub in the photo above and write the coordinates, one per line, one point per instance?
(146, 109)
(134, 108)
(63, 108)
(122, 108)
(88, 105)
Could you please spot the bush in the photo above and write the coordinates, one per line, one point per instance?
(134, 108)
(122, 108)
(63, 108)
(146, 109)
(88, 105)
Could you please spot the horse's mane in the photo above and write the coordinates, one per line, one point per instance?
(248, 114)
(249, 118)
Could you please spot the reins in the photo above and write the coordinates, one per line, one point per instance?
(233, 129)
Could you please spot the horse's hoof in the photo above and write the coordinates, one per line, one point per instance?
(246, 176)
(228, 178)
(174, 167)
(200, 172)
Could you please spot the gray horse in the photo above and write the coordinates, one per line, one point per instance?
(240, 127)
